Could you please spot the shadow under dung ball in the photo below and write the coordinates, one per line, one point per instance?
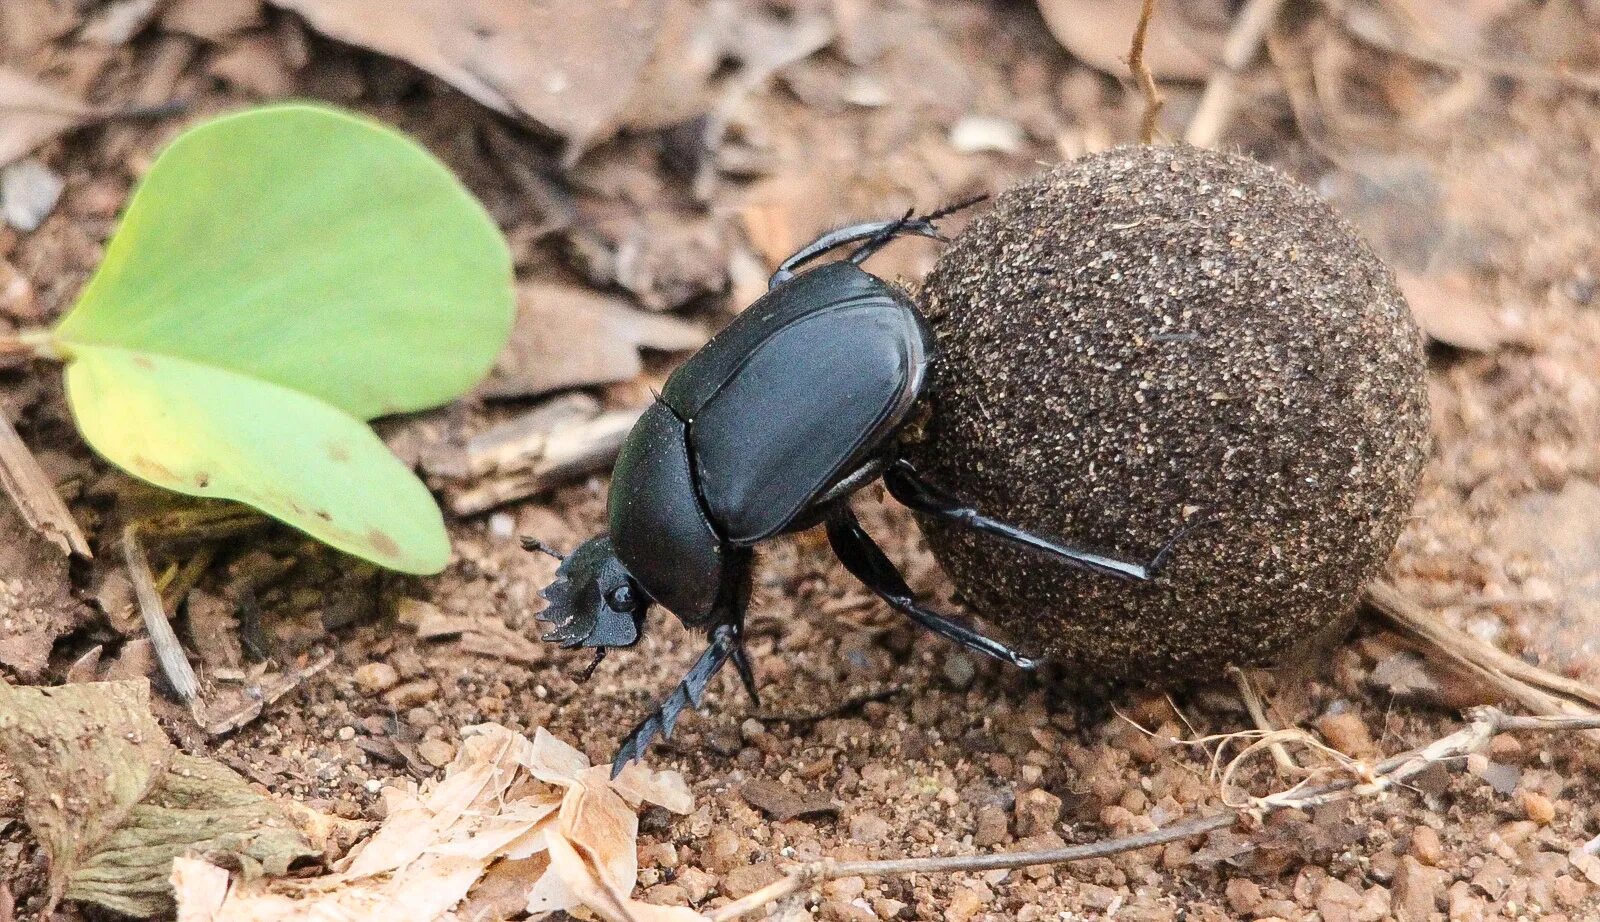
(1154, 337)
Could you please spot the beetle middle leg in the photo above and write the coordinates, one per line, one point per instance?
(907, 486)
(868, 563)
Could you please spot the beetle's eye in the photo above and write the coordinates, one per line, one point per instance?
(621, 599)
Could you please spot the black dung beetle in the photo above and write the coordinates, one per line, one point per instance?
(766, 430)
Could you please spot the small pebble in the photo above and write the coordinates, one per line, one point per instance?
(29, 191)
(1538, 808)
(412, 694)
(376, 678)
(959, 671)
(1347, 733)
(976, 134)
(1243, 895)
(868, 828)
(993, 826)
(696, 884)
(1426, 847)
(1038, 811)
(437, 753)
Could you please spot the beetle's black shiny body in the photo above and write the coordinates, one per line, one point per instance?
(767, 429)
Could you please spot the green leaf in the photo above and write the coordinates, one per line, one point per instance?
(310, 248)
(279, 276)
(206, 431)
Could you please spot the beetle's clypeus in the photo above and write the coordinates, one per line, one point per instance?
(769, 429)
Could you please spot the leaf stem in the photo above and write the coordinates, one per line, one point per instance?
(37, 343)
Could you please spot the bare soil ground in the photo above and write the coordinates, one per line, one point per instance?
(1482, 185)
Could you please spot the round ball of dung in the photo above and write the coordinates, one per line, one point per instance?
(1165, 344)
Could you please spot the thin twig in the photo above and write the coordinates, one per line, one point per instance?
(1153, 100)
(1483, 724)
(35, 496)
(169, 653)
(828, 870)
(1252, 703)
(1221, 97)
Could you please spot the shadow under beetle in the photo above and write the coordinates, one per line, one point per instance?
(769, 429)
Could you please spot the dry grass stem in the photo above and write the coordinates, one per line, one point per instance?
(1258, 714)
(1153, 100)
(169, 653)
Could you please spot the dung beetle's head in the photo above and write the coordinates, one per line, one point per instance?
(594, 602)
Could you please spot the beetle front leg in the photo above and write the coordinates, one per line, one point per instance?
(907, 486)
(726, 643)
(868, 563)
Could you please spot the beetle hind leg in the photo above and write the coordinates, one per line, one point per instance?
(907, 486)
(868, 563)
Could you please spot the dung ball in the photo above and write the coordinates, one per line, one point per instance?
(1165, 341)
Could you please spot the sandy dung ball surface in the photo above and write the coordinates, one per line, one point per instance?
(1162, 337)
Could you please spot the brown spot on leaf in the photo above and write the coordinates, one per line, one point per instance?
(144, 362)
(338, 452)
(154, 470)
(323, 514)
(383, 543)
(202, 479)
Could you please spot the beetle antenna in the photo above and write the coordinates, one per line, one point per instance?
(949, 210)
(877, 241)
(534, 544)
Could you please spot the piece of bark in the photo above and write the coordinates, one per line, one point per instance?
(567, 452)
(35, 496)
(36, 601)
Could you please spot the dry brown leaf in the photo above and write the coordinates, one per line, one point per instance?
(1450, 312)
(487, 833)
(211, 20)
(1184, 42)
(114, 802)
(570, 65)
(568, 336)
(32, 113)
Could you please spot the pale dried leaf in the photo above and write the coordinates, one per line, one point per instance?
(1184, 41)
(578, 872)
(472, 845)
(667, 788)
(32, 113)
(570, 65)
(568, 336)
(554, 760)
